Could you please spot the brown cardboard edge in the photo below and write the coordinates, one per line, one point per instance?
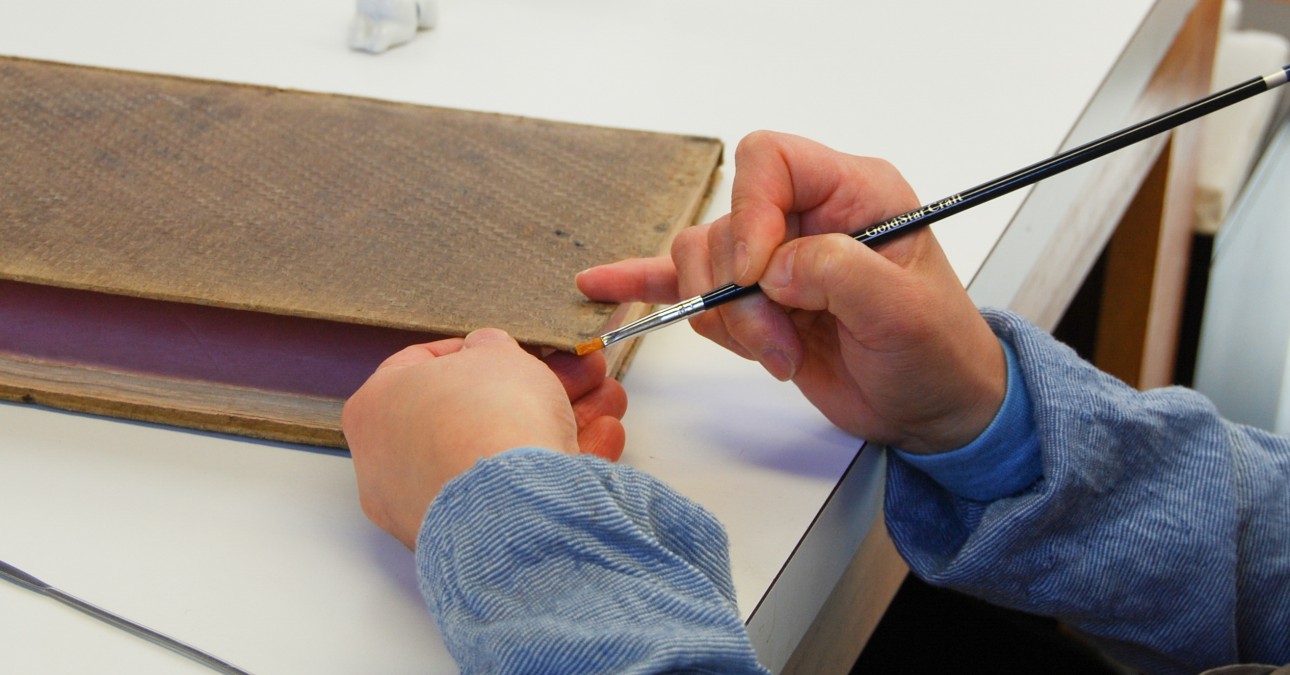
(193, 404)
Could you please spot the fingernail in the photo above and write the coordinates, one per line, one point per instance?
(778, 364)
(780, 272)
(482, 335)
(741, 260)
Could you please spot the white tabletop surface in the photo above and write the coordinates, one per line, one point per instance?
(259, 553)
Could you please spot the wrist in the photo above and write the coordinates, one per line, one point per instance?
(1003, 460)
(971, 400)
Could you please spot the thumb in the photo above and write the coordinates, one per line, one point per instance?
(833, 273)
(484, 336)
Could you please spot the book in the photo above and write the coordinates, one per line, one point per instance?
(238, 258)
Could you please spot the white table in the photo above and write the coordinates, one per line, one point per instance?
(259, 553)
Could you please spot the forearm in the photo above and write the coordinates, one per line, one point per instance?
(545, 562)
(1152, 527)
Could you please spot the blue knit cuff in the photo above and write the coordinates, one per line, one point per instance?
(1003, 461)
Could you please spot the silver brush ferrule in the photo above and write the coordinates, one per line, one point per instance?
(663, 317)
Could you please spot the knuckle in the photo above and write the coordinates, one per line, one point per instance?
(350, 414)
(372, 508)
(685, 240)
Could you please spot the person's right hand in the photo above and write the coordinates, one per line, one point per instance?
(431, 411)
(886, 342)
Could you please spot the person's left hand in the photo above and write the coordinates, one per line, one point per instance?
(431, 411)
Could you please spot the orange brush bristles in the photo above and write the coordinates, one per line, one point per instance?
(592, 345)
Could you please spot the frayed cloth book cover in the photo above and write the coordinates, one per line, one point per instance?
(239, 258)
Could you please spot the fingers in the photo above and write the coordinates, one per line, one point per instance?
(418, 353)
(855, 283)
(763, 192)
(752, 327)
(578, 374)
(607, 400)
(599, 403)
(809, 273)
(756, 328)
(603, 437)
(787, 186)
(421, 352)
(650, 280)
(692, 253)
(591, 394)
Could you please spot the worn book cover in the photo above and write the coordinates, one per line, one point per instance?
(239, 258)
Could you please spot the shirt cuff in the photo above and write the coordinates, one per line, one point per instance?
(1003, 461)
(529, 450)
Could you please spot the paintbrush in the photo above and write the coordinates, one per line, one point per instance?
(944, 208)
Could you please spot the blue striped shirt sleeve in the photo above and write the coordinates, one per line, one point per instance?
(536, 561)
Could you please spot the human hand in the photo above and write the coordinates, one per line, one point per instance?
(431, 411)
(886, 342)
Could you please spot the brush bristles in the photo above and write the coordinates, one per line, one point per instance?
(592, 345)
